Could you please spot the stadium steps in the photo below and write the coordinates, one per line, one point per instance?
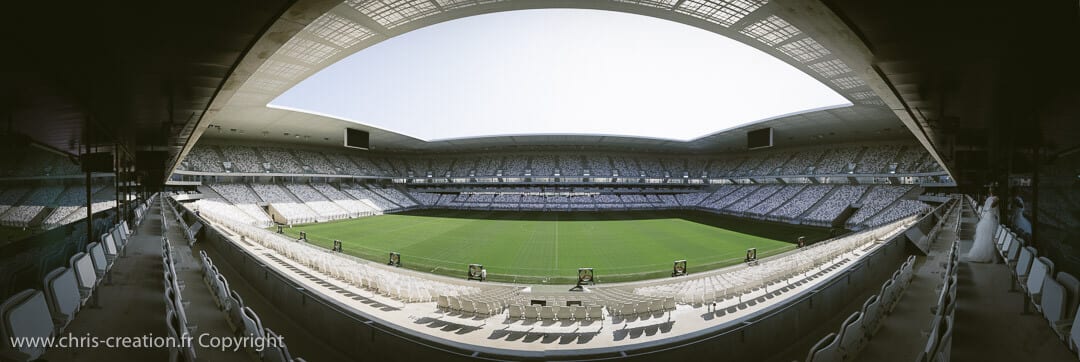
(857, 160)
(380, 197)
(220, 157)
(760, 189)
(252, 190)
(782, 204)
(408, 195)
(733, 202)
(871, 217)
(816, 205)
(862, 198)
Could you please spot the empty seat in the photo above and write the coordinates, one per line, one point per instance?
(221, 292)
(1073, 340)
(825, 350)
(944, 348)
(274, 351)
(515, 312)
(97, 255)
(933, 339)
(1072, 290)
(563, 313)
(467, 306)
(1041, 268)
(531, 312)
(442, 302)
(252, 325)
(1054, 298)
(626, 309)
(547, 312)
(84, 274)
(1023, 264)
(888, 293)
(120, 238)
(1013, 252)
(577, 312)
(482, 307)
(871, 314)
(1004, 244)
(25, 314)
(236, 311)
(175, 326)
(595, 312)
(110, 248)
(852, 336)
(62, 295)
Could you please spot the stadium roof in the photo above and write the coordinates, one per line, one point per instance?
(309, 38)
(555, 72)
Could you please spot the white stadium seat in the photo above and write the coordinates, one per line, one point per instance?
(25, 314)
(62, 293)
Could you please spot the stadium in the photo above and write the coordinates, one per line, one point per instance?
(459, 180)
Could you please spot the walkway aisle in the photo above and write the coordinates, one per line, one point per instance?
(300, 342)
(990, 325)
(133, 305)
(903, 334)
(202, 310)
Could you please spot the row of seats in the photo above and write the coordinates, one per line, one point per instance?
(409, 288)
(743, 283)
(176, 321)
(241, 318)
(66, 290)
(557, 313)
(861, 325)
(830, 159)
(1055, 297)
(939, 341)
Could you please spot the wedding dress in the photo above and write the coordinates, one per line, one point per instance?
(982, 251)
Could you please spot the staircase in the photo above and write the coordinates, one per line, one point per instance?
(828, 195)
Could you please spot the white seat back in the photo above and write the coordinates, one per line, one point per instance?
(1074, 333)
(825, 350)
(944, 349)
(119, 237)
(1014, 250)
(84, 270)
(932, 342)
(871, 313)
(25, 314)
(275, 352)
(1072, 291)
(62, 293)
(252, 325)
(1039, 270)
(110, 247)
(851, 336)
(1053, 301)
(1023, 264)
(97, 255)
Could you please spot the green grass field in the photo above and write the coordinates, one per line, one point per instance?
(549, 247)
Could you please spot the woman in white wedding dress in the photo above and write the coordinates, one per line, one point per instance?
(982, 251)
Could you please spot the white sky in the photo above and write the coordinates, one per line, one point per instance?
(558, 72)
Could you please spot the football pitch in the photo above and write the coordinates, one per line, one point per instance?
(549, 247)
